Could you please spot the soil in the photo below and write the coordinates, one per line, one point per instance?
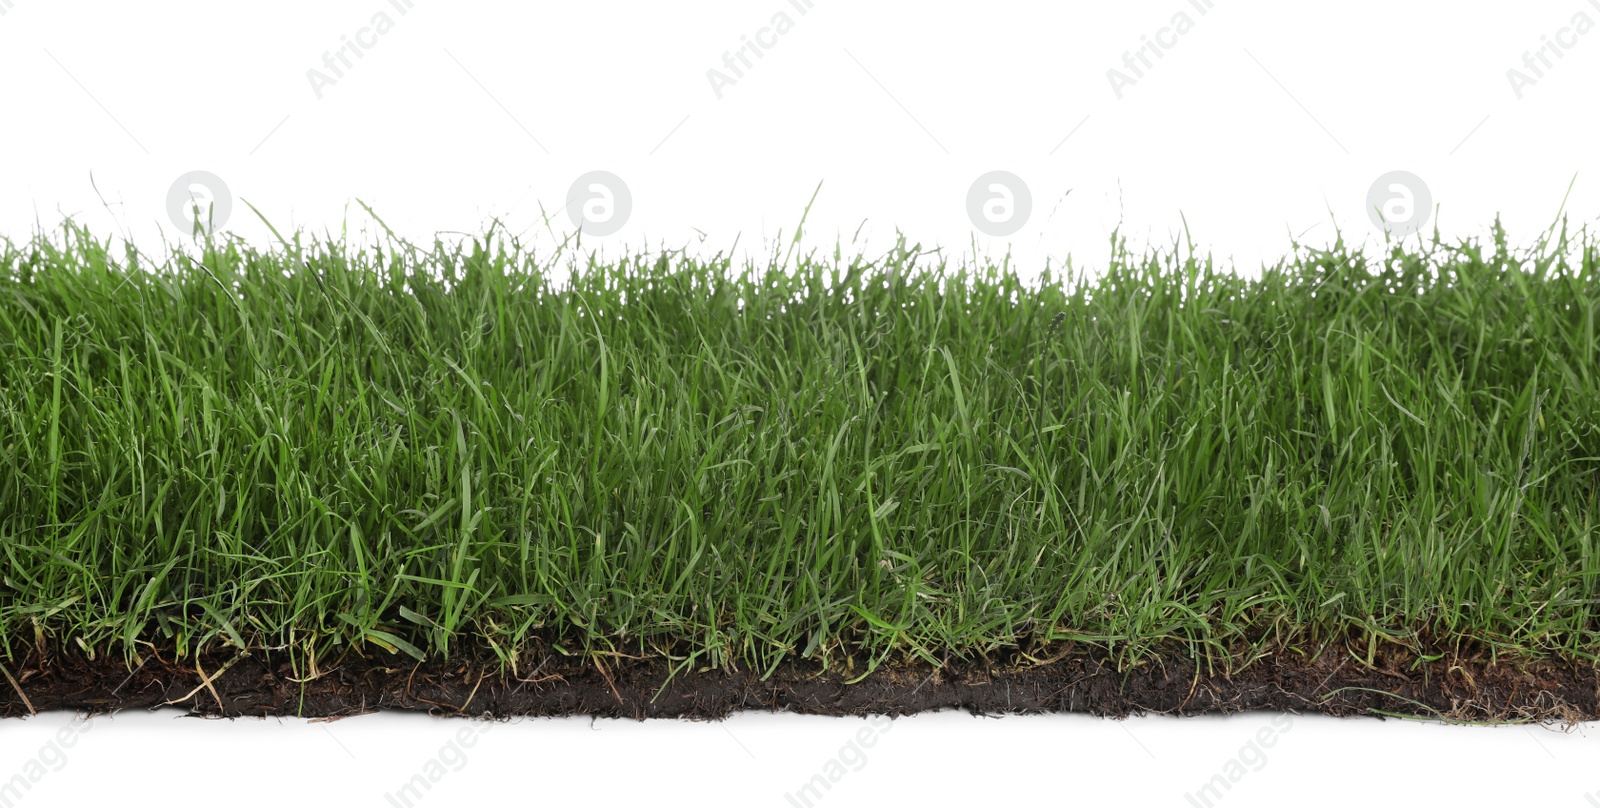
(1468, 685)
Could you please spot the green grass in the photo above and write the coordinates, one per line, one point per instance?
(437, 451)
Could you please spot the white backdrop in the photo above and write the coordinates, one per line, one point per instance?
(1252, 122)
(1260, 121)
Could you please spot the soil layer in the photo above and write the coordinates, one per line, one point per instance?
(1458, 686)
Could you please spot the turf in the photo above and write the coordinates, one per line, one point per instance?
(398, 451)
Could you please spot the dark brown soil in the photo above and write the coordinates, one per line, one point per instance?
(1462, 686)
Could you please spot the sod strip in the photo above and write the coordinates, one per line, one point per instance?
(324, 478)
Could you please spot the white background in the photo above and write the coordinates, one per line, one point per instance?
(1264, 122)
